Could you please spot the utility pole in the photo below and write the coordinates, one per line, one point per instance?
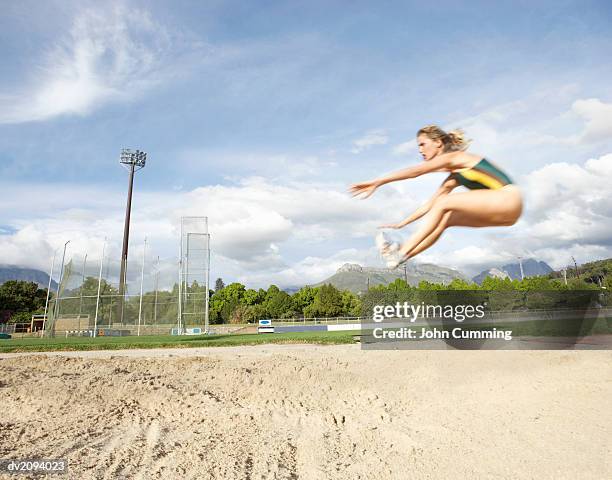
(520, 259)
(133, 161)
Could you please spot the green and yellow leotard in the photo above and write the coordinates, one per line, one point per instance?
(482, 175)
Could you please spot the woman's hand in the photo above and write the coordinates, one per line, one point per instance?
(364, 188)
(393, 225)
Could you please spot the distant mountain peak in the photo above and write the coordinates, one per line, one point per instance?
(13, 272)
(350, 267)
(531, 267)
(357, 278)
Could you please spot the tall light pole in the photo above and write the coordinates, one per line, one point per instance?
(133, 161)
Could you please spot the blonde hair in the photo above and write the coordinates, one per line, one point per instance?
(453, 141)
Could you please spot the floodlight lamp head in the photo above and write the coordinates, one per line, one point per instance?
(136, 158)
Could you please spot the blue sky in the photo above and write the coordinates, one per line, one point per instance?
(259, 115)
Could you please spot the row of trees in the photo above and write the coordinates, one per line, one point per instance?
(235, 303)
(497, 294)
(496, 284)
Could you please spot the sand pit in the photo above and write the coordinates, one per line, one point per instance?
(311, 412)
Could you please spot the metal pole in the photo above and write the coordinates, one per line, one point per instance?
(156, 287)
(180, 292)
(61, 278)
(144, 251)
(186, 276)
(98, 294)
(206, 306)
(81, 289)
(49, 290)
(126, 237)
(180, 299)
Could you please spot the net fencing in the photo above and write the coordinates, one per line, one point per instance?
(194, 273)
(87, 300)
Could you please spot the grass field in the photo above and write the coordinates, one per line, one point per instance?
(549, 328)
(164, 341)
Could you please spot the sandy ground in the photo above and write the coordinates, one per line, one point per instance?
(311, 412)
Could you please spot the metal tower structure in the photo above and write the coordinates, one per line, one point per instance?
(133, 161)
(194, 274)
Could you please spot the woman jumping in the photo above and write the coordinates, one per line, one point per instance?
(493, 200)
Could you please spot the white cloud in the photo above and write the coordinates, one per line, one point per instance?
(598, 118)
(472, 259)
(256, 225)
(371, 138)
(404, 148)
(261, 230)
(248, 217)
(522, 126)
(112, 53)
(570, 203)
(241, 164)
(309, 270)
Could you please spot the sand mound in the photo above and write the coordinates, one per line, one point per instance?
(312, 413)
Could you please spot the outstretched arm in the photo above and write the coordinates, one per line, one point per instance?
(447, 186)
(439, 163)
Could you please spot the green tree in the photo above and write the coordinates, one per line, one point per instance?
(253, 297)
(399, 284)
(280, 305)
(458, 284)
(494, 283)
(303, 298)
(26, 298)
(327, 303)
(255, 313)
(351, 305)
(225, 301)
(429, 286)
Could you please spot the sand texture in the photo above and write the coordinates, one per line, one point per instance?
(311, 412)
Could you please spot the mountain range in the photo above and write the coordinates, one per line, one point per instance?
(357, 279)
(12, 272)
(350, 276)
(512, 271)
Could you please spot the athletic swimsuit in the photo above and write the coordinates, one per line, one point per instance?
(482, 175)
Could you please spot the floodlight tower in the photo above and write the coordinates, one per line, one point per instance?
(133, 161)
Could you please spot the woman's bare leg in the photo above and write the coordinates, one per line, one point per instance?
(432, 223)
(482, 208)
(432, 237)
